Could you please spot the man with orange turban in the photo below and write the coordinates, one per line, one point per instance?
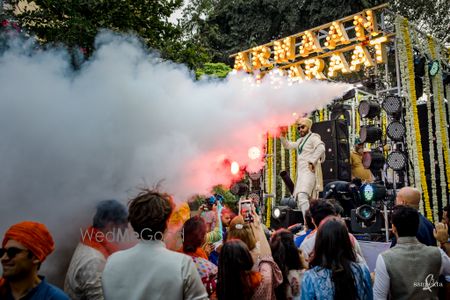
(25, 246)
(310, 155)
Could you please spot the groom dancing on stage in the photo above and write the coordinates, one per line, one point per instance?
(310, 155)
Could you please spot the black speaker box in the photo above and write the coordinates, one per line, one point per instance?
(293, 216)
(334, 134)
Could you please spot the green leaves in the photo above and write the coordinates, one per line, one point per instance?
(76, 23)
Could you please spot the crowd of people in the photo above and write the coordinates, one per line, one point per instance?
(227, 257)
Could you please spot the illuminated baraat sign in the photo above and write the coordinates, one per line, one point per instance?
(339, 47)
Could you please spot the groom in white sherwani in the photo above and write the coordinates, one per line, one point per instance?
(310, 155)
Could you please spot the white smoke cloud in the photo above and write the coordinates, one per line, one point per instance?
(71, 138)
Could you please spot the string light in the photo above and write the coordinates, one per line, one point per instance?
(380, 51)
(242, 62)
(260, 57)
(365, 23)
(338, 63)
(314, 68)
(361, 56)
(284, 50)
(336, 36)
(309, 44)
(296, 73)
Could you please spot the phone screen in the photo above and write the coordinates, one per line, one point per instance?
(246, 210)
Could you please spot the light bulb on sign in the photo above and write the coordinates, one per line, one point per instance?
(234, 168)
(254, 153)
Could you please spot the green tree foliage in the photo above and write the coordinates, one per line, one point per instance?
(229, 26)
(229, 199)
(225, 27)
(432, 17)
(218, 70)
(76, 24)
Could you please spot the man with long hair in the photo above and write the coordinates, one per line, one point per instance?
(335, 273)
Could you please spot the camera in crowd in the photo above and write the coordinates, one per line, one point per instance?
(209, 202)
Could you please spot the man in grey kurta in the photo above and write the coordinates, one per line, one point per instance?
(310, 155)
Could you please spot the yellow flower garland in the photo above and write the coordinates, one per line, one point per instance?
(425, 51)
(293, 152)
(410, 85)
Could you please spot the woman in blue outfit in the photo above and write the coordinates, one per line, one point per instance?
(334, 272)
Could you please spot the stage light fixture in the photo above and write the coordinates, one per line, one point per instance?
(289, 202)
(370, 134)
(366, 219)
(373, 160)
(284, 216)
(370, 192)
(396, 131)
(279, 212)
(366, 213)
(392, 104)
(369, 109)
(396, 160)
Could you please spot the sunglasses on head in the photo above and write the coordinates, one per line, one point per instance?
(11, 252)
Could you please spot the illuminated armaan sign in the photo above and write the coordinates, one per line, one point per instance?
(323, 52)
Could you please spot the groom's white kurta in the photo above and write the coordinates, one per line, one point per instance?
(310, 149)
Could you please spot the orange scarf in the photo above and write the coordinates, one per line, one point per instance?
(255, 279)
(99, 242)
(198, 253)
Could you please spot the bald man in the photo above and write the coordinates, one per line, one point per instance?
(310, 155)
(410, 196)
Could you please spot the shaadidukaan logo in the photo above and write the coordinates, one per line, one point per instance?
(429, 283)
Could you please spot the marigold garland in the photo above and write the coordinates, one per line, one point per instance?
(293, 152)
(406, 50)
(425, 52)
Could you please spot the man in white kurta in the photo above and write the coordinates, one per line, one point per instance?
(310, 155)
(149, 270)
